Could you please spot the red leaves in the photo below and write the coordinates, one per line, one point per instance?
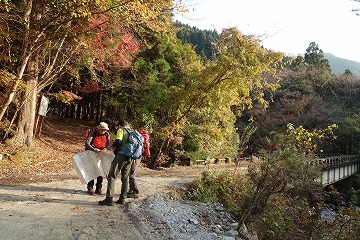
(110, 42)
(89, 87)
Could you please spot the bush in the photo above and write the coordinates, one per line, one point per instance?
(226, 187)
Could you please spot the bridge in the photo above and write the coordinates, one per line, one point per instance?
(336, 168)
(333, 167)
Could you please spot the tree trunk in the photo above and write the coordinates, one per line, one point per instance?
(24, 59)
(25, 125)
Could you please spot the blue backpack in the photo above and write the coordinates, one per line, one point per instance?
(134, 147)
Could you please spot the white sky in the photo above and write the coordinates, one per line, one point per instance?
(290, 25)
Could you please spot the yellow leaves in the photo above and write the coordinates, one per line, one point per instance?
(246, 67)
(305, 140)
(5, 5)
(141, 14)
(66, 96)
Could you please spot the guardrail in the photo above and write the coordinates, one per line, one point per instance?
(329, 162)
(209, 161)
(336, 168)
(333, 167)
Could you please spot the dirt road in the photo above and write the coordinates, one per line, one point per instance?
(63, 210)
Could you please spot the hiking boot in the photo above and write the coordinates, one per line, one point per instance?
(98, 191)
(107, 201)
(120, 201)
(90, 191)
(132, 195)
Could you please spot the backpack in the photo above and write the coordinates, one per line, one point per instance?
(134, 147)
(87, 132)
(146, 136)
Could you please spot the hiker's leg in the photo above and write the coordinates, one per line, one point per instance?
(132, 181)
(99, 182)
(113, 172)
(125, 170)
(90, 187)
(90, 184)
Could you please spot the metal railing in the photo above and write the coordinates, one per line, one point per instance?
(326, 162)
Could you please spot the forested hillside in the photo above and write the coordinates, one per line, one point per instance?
(200, 94)
(187, 86)
(204, 41)
(310, 95)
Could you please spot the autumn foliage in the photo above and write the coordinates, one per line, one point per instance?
(110, 42)
(89, 87)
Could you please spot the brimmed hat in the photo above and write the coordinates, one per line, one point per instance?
(103, 125)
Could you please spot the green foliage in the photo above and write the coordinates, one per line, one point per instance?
(305, 141)
(279, 198)
(314, 56)
(226, 187)
(191, 144)
(202, 40)
(248, 132)
(289, 219)
(216, 136)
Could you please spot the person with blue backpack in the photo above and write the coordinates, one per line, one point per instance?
(128, 146)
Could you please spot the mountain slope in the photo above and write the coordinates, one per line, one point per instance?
(339, 65)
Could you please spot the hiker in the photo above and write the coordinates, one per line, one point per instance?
(121, 164)
(97, 140)
(133, 188)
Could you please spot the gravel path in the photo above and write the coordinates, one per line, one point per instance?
(63, 210)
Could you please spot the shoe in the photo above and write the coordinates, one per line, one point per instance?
(90, 191)
(107, 201)
(120, 201)
(132, 195)
(98, 191)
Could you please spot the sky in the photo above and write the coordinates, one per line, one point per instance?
(288, 26)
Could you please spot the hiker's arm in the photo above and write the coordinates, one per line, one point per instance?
(88, 143)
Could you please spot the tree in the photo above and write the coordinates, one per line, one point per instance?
(314, 56)
(241, 73)
(50, 37)
(181, 98)
(202, 40)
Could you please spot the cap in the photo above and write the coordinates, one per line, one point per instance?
(103, 125)
(123, 123)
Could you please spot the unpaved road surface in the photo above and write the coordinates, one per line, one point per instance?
(63, 209)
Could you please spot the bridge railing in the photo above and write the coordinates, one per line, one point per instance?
(336, 168)
(336, 160)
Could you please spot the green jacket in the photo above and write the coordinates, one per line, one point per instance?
(122, 137)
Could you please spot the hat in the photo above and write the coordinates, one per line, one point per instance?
(103, 125)
(123, 123)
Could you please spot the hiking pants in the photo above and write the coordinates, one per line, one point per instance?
(99, 182)
(132, 181)
(120, 164)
